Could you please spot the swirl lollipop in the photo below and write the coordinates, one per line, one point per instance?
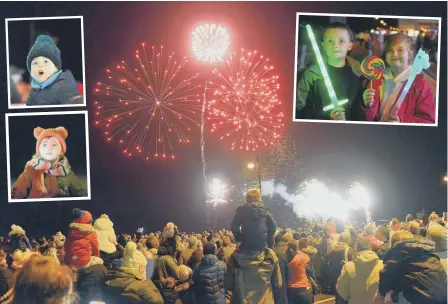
(372, 68)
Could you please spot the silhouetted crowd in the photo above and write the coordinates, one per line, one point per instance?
(254, 262)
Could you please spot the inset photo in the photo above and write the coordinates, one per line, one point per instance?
(47, 156)
(367, 69)
(45, 62)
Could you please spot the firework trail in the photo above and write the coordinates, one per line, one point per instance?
(245, 102)
(148, 108)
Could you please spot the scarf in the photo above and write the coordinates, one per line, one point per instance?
(60, 169)
(42, 85)
(388, 99)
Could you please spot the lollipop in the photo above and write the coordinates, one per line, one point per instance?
(372, 68)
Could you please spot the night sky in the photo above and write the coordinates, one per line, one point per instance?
(402, 166)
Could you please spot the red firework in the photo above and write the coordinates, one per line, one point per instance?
(147, 109)
(245, 102)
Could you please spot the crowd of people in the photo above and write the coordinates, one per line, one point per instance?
(253, 262)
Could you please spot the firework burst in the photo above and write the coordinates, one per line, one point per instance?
(245, 102)
(210, 43)
(282, 162)
(148, 108)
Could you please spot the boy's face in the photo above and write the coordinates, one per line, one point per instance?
(398, 56)
(42, 68)
(337, 43)
(50, 149)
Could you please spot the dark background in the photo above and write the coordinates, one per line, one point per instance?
(68, 31)
(402, 166)
(22, 143)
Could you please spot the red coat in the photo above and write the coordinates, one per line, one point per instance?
(419, 105)
(81, 244)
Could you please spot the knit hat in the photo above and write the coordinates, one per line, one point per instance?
(16, 229)
(81, 216)
(363, 244)
(287, 237)
(209, 248)
(133, 258)
(45, 47)
(438, 235)
(6, 285)
(253, 196)
(192, 242)
(60, 133)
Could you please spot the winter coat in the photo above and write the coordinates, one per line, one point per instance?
(253, 277)
(297, 271)
(150, 266)
(57, 186)
(382, 250)
(359, 279)
(123, 286)
(419, 105)
(208, 278)
(316, 260)
(63, 90)
(224, 253)
(254, 226)
(186, 255)
(89, 283)
(312, 93)
(337, 255)
(167, 267)
(106, 234)
(81, 244)
(19, 241)
(412, 267)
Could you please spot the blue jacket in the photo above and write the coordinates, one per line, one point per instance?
(61, 90)
(208, 278)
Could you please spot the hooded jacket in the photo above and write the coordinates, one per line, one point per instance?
(312, 93)
(337, 255)
(62, 90)
(208, 278)
(253, 277)
(411, 267)
(254, 226)
(359, 279)
(123, 286)
(81, 244)
(106, 234)
(19, 241)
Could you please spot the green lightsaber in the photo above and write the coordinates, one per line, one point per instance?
(335, 103)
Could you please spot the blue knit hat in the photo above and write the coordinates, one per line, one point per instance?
(45, 47)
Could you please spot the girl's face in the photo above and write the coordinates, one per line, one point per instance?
(50, 149)
(42, 68)
(398, 56)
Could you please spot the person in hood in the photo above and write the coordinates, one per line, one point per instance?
(344, 73)
(383, 234)
(48, 174)
(253, 225)
(50, 84)
(299, 287)
(107, 239)
(19, 240)
(253, 277)
(129, 284)
(419, 105)
(359, 279)
(412, 272)
(81, 246)
(209, 277)
(438, 235)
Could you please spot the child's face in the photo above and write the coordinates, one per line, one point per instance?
(337, 43)
(398, 56)
(42, 68)
(50, 149)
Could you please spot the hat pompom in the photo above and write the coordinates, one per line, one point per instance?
(44, 39)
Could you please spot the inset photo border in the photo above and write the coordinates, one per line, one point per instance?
(48, 152)
(56, 76)
(371, 35)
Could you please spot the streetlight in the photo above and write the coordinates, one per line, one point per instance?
(445, 178)
(251, 165)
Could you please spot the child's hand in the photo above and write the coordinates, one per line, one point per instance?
(369, 97)
(393, 116)
(337, 114)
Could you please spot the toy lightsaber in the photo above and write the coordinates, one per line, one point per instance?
(335, 103)
(421, 62)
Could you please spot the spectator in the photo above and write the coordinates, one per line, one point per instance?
(208, 278)
(299, 288)
(186, 253)
(411, 272)
(253, 225)
(369, 233)
(129, 284)
(226, 250)
(359, 279)
(43, 280)
(383, 234)
(19, 240)
(438, 235)
(6, 285)
(107, 239)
